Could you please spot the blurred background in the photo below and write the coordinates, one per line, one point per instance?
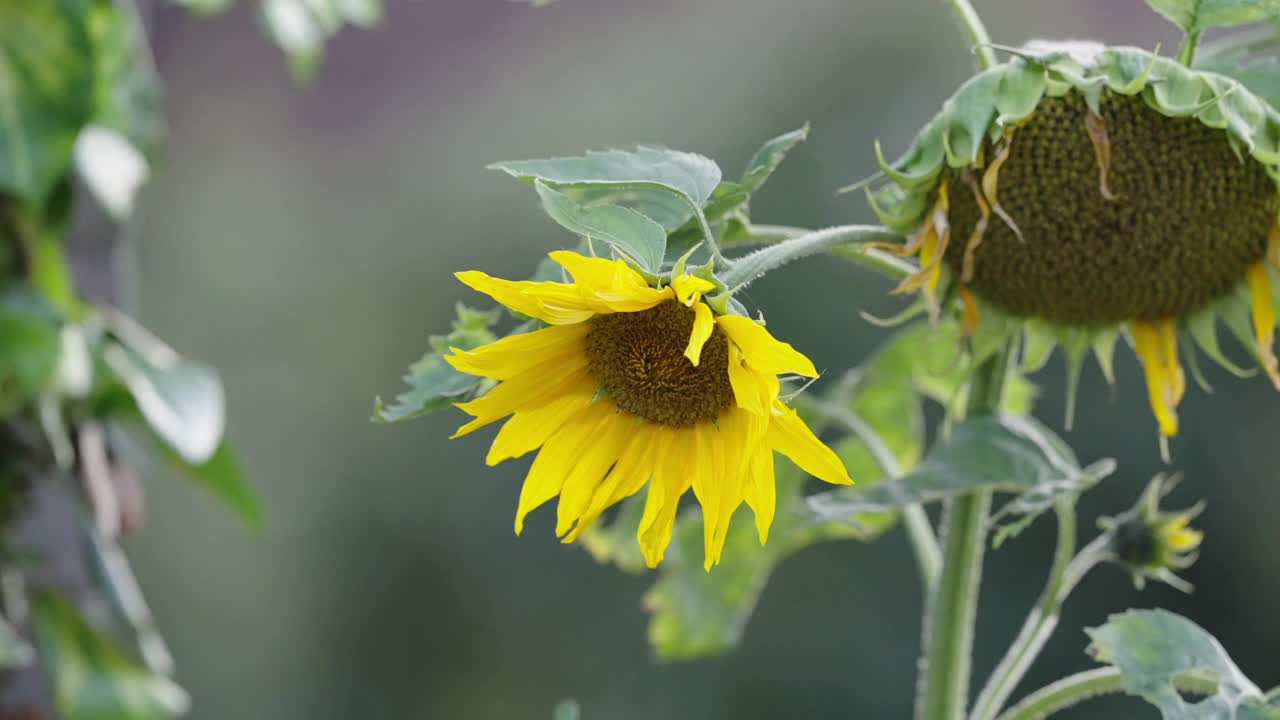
(303, 238)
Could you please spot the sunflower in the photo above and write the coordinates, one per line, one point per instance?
(632, 384)
(1092, 192)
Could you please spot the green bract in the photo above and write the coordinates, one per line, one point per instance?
(1005, 96)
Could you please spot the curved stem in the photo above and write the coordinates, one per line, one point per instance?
(924, 544)
(747, 268)
(973, 29)
(1187, 54)
(1042, 620)
(1082, 686)
(943, 688)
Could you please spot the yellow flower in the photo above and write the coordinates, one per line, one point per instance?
(1090, 192)
(634, 385)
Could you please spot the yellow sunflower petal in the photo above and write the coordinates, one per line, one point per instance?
(527, 430)
(609, 285)
(674, 451)
(750, 388)
(523, 296)
(1156, 346)
(632, 471)
(607, 444)
(761, 492)
(1264, 319)
(703, 324)
(790, 436)
(689, 288)
(761, 350)
(526, 391)
(556, 460)
(513, 355)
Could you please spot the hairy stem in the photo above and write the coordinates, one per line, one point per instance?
(1042, 620)
(975, 32)
(943, 687)
(1187, 54)
(1075, 689)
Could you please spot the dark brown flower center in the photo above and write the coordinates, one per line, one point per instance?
(638, 359)
(1185, 219)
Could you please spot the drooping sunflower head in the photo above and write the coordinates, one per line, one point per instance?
(1094, 191)
(631, 386)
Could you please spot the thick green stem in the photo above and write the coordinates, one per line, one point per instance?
(1075, 689)
(1187, 54)
(943, 688)
(976, 33)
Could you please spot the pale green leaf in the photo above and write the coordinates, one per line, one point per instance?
(182, 401)
(1260, 74)
(222, 476)
(433, 383)
(1152, 647)
(627, 231)
(92, 678)
(112, 168)
(46, 92)
(1194, 16)
(1007, 452)
(629, 178)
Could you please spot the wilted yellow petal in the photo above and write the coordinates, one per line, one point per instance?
(761, 350)
(1165, 379)
(1264, 320)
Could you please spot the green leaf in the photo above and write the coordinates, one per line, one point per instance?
(1006, 452)
(668, 186)
(92, 678)
(182, 401)
(222, 476)
(302, 27)
(1152, 647)
(1260, 75)
(46, 92)
(29, 346)
(769, 157)
(698, 613)
(14, 651)
(126, 86)
(433, 383)
(1194, 16)
(111, 154)
(630, 233)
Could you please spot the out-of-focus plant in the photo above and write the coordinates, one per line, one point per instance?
(1067, 196)
(85, 391)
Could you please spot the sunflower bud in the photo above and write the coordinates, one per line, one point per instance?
(1154, 544)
